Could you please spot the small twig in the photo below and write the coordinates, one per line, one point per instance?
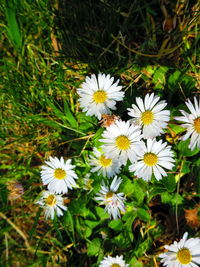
(147, 55)
(6, 243)
(16, 228)
(77, 139)
(177, 191)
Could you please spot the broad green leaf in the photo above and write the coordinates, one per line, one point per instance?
(92, 224)
(174, 81)
(169, 182)
(127, 186)
(135, 263)
(94, 247)
(87, 232)
(185, 151)
(159, 77)
(116, 225)
(143, 214)
(101, 213)
(173, 199)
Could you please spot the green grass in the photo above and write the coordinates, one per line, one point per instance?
(48, 48)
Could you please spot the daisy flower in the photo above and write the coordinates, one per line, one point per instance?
(59, 175)
(113, 262)
(52, 204)
(191, 123)
(113, 201)
(121, 140)
(185, 253)
(103, 165)
(152, 159)
(99, 94)
(149, 115)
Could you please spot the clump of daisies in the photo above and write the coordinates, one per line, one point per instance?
(113, 262)
(113, 201)
(191, 122)
(59, 176)
(185, 253)
(98, 95)
(134, 142)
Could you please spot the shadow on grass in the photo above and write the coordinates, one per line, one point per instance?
(89, 29)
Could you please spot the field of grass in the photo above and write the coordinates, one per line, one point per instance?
(47, 50)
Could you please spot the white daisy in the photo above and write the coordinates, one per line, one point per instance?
(191, 123)
(52, 204)
(103, 165)
(149, 115)
(113, 262)
(185, 253)
(152, 159)
(113, 201)
(59, 175)
(99, 94)
(121, 140)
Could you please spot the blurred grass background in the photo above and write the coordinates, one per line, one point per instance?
(47, 49)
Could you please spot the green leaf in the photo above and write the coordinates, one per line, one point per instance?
(94, 247)
(156, 190)
(13, 30)
(185, 151)
(127, 186)
(169, 182)
(68, 221)
(101, 213)
(159, 77)
(173, 81)
(135, 263)
(69, 115)
(138, 194)
(143, 214)
(122, 240)
(116, 225)
(173, 199)
(142, 247)
(97, 136)
(92, 224)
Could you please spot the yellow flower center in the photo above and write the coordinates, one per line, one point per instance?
(109, 194)
(51, 200)
(122, 142)
(184, 256)
(197, 125)
(104, 161)
(115, 265)
(150, 159)
(147, 117)
(59, 173)
(100, 96)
